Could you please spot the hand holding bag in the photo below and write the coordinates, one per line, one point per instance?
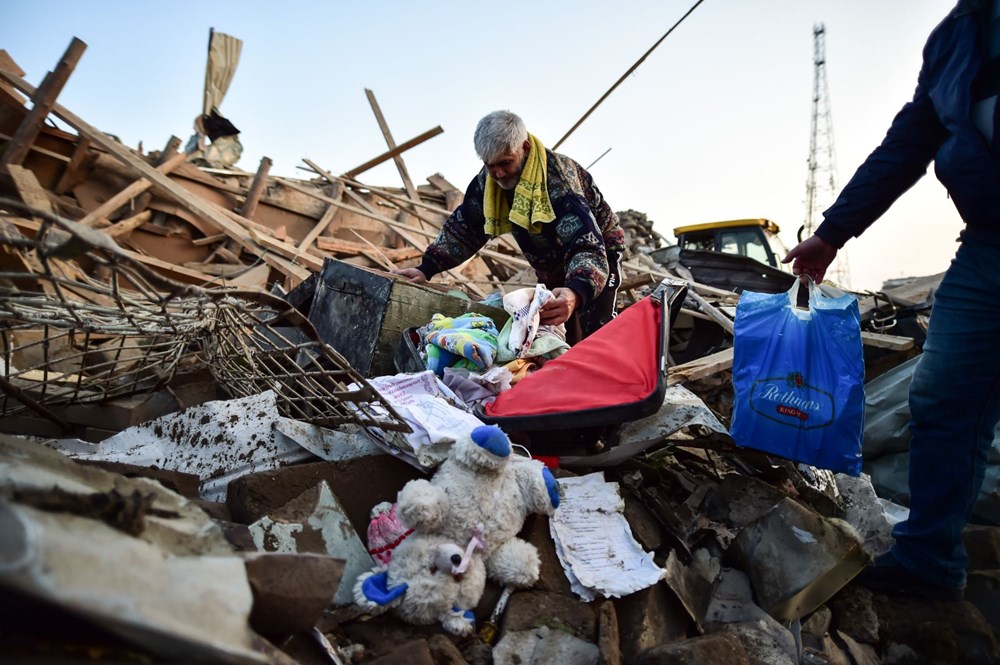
(798, 377)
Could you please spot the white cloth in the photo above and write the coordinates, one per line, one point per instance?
(523, 306)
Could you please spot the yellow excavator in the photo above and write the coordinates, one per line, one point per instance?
(734, 255)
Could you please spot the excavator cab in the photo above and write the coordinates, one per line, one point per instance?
(756, 239)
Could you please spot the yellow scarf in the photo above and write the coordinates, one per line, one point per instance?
(531, 207)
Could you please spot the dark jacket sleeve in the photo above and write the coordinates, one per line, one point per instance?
(586, 263)
(896, 165)
(461, 236)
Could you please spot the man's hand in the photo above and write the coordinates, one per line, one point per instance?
(411, 275)
(558, 309)
(811, 257)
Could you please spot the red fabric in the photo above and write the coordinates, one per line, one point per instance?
(618, 364)
(548, 460)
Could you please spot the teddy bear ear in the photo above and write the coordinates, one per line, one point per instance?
(376, 591)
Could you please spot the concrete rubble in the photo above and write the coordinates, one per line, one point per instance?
(192, 441)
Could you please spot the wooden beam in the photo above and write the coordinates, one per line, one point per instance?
(256, 189)
(358, 211)
(192, 203)
(399, 201)
(172, 148)
(453, 196)
(294, 275)
(699, 368)
(712, 312)
(95, 216)
(288, 251)
(208, 240)
(118, 229)
(319, 228)
(170, 270)
(633, 266)
(880, 341)
(341, 246)
(43, 100)
(255, 278)
(403, 230)
(69, 175)
(40, 151)
(29, 189)
(398, 150)
(378, 191)
(398, 159)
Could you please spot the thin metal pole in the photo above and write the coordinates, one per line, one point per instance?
(625, 75)
(598, 158)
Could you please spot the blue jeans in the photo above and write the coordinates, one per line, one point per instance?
(954, 408)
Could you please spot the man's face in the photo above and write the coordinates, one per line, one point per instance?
(506, 169)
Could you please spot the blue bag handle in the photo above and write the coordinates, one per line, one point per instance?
(818, 293)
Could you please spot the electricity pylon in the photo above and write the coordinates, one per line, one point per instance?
(821, 185)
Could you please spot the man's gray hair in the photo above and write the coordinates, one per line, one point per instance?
(497, 133)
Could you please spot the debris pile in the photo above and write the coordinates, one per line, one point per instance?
(200, 437)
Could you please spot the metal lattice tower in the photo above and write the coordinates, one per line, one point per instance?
(821, 185)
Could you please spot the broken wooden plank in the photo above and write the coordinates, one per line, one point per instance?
(341, 246)
(634, 266)
(282, 199)
(375, 253)
(40, 151)
(208, 240)
(358, 211)
(226, 270)
(882, 341)
(72, 171)
(287, 250)
(256, 188)
(403, 230)
(29, 189)
(712, 312)
(645, 279)
(170, 270)
(254, 278)
(321, 226)
(196, 205)
(7, 63)
(401, 202)
(453, 196)
(95, 216)
(701, 368)
(398, 150)
(387, 135)
(294, 275)
(126, 226)
(43, 101)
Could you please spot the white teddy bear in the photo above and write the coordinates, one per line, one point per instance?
(428, 579)
(481, 489)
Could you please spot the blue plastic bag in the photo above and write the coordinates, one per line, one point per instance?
(798, 377)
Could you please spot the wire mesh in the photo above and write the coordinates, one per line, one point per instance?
(82, 322)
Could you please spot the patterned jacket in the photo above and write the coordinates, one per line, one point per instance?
(572, 250)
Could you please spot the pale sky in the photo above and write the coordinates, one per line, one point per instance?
(713, 125)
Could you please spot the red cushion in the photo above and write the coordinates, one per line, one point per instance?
(618, 364)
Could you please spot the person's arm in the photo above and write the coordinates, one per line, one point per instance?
(607, 220)
(893, 167)
(461, 236)
(586, 261)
